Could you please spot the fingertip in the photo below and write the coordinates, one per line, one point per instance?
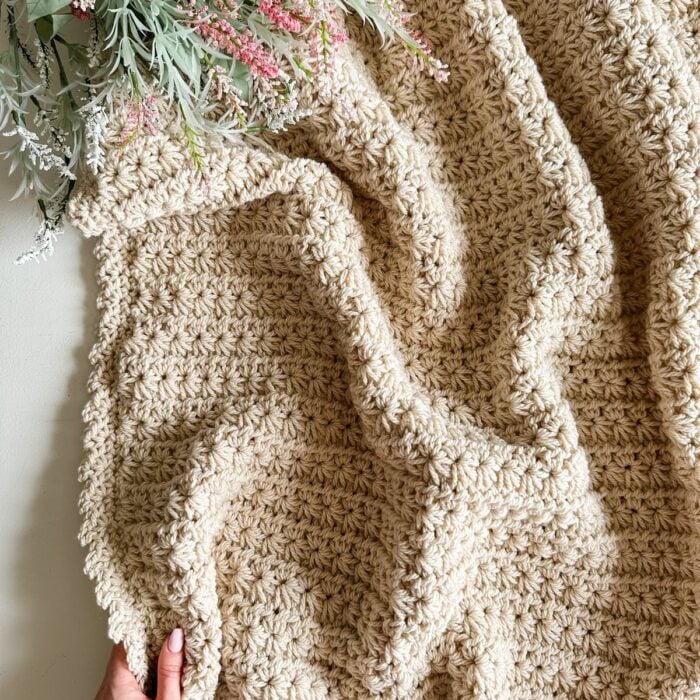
(176, 640)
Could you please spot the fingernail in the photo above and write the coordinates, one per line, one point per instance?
(176, 640)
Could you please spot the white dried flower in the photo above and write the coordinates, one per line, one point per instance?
(95, 125)
(42, 65)
(39, 153)
(278, 103)
(83, 5)
(44, 240)
(94, 45)
(45, 122)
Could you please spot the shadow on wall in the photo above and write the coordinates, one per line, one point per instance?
(59, 642)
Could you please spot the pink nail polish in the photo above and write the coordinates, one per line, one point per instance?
(176, 640)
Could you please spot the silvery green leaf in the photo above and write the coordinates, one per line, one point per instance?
(42, 8)
(47, 27)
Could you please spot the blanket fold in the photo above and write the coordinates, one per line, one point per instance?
(405, 402)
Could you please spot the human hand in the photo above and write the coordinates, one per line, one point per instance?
(120, 684)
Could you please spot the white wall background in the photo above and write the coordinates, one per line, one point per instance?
(52, 635)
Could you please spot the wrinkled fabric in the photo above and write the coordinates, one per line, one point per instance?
(405, 403)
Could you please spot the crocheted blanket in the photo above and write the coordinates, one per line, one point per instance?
(405, 402)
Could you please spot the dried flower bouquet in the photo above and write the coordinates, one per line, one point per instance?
(228, 66)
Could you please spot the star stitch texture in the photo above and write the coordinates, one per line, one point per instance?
(406, 405)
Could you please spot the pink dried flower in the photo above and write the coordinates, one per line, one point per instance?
(241, 45)
(334, 29)
(323, 42)
(229, 7)
(248, 50)
(82, 9)
(434, 67)
(423, 52)
(142, 116)
(228, 94)
(280, 16)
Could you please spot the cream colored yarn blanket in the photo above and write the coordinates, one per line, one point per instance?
(408, 404)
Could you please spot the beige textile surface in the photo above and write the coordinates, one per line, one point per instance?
(408, 405)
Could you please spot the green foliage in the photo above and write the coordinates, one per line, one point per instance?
(226, 68)
(43, 8)
(48, 26)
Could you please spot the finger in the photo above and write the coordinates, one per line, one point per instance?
(118, 679)
(170, 663)
(118, 669)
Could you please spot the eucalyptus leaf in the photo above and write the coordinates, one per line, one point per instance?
(47, 27)
(44, 28)
(59, 21)
(42, 8)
